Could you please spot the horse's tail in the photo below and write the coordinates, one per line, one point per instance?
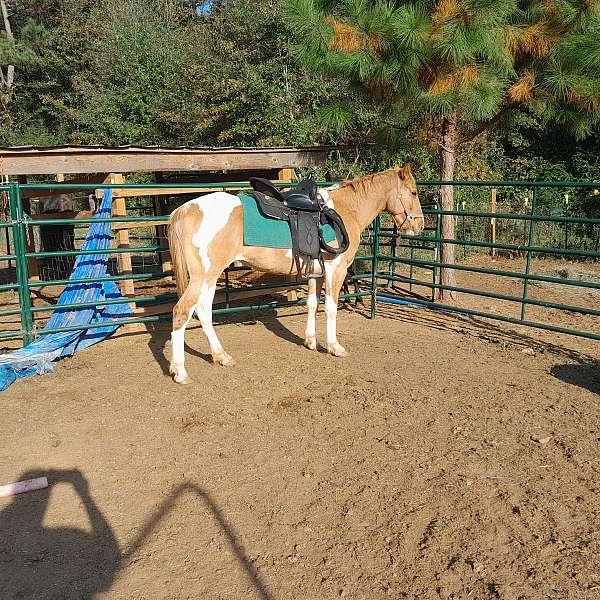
(180, 267)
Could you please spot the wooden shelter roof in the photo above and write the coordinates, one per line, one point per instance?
(34, 160)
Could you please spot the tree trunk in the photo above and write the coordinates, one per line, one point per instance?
(449, 138)
(7, 81)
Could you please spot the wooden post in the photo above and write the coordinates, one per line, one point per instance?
(286, 175)
(493, 221)
(33, 267)
(122, 236)
(161, 230)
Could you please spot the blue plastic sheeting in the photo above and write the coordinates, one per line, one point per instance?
(37, 357)
(203, 8)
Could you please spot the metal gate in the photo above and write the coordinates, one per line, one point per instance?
(391, 268)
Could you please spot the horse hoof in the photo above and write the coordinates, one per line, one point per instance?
(226, 361)
(310, 344)
(338, 351)
(179, 375)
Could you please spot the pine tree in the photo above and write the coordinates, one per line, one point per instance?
(466, 64)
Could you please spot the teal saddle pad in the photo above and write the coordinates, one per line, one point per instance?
(266, 232)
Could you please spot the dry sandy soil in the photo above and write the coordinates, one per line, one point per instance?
(447, 457)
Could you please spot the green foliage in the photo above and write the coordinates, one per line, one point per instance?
(466, 60)
(151, 71)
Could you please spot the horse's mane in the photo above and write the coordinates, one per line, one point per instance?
(361, 187)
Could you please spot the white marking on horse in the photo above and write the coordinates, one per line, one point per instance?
(204, 312)
(312, 303)
(325, 195)
(177, 367)
(216, 208)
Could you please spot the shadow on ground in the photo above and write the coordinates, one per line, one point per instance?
(65, 562)
(584, 375)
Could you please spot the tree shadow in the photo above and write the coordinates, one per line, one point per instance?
(55, 562)
(449, 321)
(585, 375)
(65, 562)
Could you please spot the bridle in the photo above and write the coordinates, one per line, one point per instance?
(408, 216)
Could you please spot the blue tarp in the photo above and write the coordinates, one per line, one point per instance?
(38, 356)
(203, 8)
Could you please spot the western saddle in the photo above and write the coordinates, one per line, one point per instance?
(306, 212)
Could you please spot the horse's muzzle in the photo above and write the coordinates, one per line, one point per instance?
(413, 227)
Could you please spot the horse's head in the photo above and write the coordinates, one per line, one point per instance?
(403, 202)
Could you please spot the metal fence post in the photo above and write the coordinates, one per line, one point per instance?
(530, 241)
(374, 267)
(436, 253)
(22, 271)
(394, 254)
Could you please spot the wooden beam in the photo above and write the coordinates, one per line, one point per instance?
(83, 214)
(135, 193)
(166, 307)
(136, 224)
(160, 208)
(128, 160)
(286, 174)
(92, 179)
(32, 263)
(124, 260)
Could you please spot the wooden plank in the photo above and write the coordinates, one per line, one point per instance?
(135, 224)
(92, 179)
(83, 160)
(160, 208)
(123, 260)
(166, 307)
(32, 263)
(135, 193)
(83, 214)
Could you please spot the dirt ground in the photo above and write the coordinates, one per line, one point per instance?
(447, 457)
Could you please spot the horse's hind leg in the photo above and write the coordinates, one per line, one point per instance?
(182, 313)
(312, 303)
(204, 312)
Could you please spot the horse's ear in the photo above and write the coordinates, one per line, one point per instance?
(406, 170)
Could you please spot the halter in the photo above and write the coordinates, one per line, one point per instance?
(408, 216)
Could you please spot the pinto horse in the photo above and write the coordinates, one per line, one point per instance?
(207, 234)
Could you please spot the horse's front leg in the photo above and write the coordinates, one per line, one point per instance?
(335, 273)
(312, 302)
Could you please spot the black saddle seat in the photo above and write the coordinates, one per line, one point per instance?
(305, 196)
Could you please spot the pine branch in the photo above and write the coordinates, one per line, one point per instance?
(489, 123)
